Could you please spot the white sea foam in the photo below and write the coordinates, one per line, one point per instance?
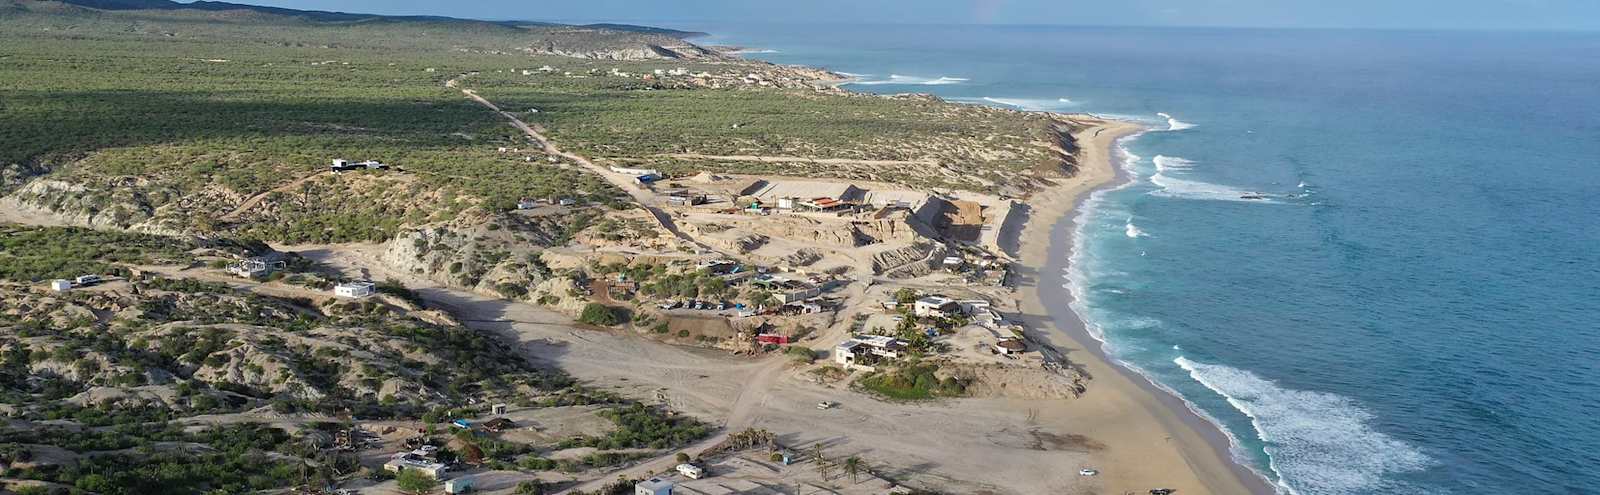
(1173, 124)
(1132, 230)
(1174, 187)
(913, 81)
(1171, 163)
(1031, 104)
(1316, 442)
(850, 74)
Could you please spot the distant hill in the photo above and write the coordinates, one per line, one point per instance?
(225, 22)
(330, 16)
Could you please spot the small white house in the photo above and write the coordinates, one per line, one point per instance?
(60, 285)
(355, 290)
(637, 172)
(692, 471)
(653, 486)
(402, 462)
(866, 350)
(937, 306)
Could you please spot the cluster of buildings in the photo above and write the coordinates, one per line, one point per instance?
(63, 285)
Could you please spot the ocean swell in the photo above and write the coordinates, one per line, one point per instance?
(1318, 443)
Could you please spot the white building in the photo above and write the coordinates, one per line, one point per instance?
(257, 267)
(653, 486)
(865, 350)
(355, 290)
(638, 172)
(935, 306)
(60, 285)
(408, 460)
(973, 306)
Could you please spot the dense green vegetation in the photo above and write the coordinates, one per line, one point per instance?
(640, 426)
(192, 104)
(131, 461)
(912, 381)
(42, 253)
(601, 315)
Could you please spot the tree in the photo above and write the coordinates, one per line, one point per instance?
(531, 487)
(905, 296)
(822, 461)
(683, 458)
(852, 467)
(472, 454)
(599, 314)
(414, 482)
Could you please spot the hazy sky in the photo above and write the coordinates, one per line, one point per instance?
(1447, 14)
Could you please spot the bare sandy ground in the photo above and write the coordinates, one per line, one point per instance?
(1121, 427)
(1152, 439)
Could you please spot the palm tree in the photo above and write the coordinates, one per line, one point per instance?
(823, 468)
(852, 467)
(822, 461)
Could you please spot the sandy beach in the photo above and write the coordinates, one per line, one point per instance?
(1153, 438)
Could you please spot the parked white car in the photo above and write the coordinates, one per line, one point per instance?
(1087, 472)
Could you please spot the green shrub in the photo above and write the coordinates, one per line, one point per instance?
(801, 353)
(601, 315)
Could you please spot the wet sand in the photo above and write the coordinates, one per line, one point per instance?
(1154, 440)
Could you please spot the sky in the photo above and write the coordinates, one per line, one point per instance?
(1382, 14)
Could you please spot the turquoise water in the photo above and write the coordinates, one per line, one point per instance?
(1412, 308)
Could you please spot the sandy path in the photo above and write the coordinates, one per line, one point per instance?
(797, 159)
(252, 201)
(1154, 440)
(627, 183)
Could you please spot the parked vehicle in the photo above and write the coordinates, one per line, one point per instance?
(1087, 472)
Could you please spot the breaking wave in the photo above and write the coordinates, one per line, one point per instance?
(913, 81)
(1174, 187)
(1316, 442)
(1026, 104)
(1174, 124)
(1132, 230)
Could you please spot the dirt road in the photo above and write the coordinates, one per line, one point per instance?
(628, 183)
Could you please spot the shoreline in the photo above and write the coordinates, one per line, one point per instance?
(1192, 442)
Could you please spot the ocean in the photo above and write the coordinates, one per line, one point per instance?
(1410, 307)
